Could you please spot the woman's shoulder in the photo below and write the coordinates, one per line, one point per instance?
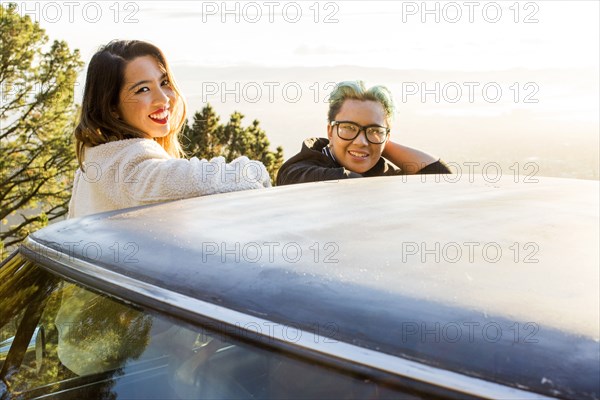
(126, 148)
(135, 143)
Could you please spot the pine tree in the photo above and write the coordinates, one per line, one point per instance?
(36, 117)
(203, 137)
(206, 138)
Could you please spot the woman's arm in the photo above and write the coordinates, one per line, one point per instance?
(149, 175)
(408, 159)
(155, 180)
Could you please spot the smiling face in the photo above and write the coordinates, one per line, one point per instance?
(146, 98)
(358, 155)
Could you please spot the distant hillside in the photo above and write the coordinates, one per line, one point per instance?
(549, 117)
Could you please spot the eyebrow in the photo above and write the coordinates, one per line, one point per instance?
(144, 82)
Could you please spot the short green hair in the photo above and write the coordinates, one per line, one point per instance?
(357, 90)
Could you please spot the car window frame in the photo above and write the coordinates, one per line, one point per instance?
(34, 311)
(431, 381)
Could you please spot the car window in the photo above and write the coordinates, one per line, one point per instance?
(56, 336)
(23, 296)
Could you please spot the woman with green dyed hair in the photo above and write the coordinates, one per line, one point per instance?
(358, 142)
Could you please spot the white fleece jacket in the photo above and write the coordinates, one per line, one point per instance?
(134, 172)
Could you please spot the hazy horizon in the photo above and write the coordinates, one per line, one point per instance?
(543, 56)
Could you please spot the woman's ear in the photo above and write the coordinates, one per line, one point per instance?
(329, 132)
(114, 113)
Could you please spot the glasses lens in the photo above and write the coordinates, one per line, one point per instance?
(347, 130)
(376, 134)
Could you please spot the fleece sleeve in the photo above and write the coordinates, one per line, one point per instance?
(148, 176)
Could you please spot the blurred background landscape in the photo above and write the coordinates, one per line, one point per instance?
(239, 56)
(559, 132)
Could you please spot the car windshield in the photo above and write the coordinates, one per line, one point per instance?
(56, 336)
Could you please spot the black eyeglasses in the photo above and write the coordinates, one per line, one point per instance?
(348, 130)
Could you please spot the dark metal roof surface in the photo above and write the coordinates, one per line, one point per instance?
(490, 279)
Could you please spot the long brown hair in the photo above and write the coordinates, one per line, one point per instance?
(104, 80)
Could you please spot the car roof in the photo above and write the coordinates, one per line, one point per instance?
(401, 265)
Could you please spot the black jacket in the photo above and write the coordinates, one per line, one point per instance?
(311, 165)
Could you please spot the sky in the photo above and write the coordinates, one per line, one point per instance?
(470, 77)
(464, 35)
